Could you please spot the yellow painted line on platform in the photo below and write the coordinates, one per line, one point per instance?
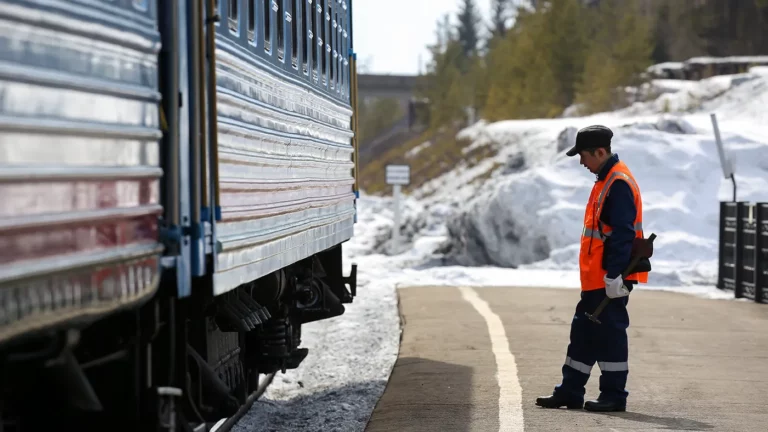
(510, 391)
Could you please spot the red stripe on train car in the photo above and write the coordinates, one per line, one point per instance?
(88, 236)
(21, 199)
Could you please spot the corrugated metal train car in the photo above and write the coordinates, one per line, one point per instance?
(177, 179)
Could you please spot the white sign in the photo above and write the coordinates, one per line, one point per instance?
(398, 175)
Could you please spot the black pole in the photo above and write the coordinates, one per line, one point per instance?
(733, 179)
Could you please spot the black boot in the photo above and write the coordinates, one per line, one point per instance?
(556, 401)
(605, 406)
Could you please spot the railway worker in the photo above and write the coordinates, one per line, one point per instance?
(612, 220)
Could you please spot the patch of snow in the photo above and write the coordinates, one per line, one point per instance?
(533, 219)
(416, 150)
(666, 65)
(730, 59)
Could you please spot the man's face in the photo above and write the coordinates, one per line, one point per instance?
(592, 160)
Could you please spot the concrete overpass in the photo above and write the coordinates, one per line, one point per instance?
(400, 87)
(387, 86)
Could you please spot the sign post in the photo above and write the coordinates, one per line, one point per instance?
(725, 163)
(397, 176)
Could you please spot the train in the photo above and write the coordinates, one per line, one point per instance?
(177, 181)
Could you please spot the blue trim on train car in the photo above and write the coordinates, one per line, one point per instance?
(351, 25)
(357, 197)
(194, 104)
(184, 263)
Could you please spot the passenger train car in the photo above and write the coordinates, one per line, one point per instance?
(177, 178)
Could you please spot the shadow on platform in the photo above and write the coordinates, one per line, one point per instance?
(426, 395)
(671, 423)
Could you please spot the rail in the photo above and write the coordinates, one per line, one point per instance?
(226, 425)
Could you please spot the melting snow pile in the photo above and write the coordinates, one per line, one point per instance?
(533, 218)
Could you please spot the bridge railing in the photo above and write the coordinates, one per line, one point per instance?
(743, 244)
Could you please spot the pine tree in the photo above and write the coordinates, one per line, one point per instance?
(500, 11)
(621, 49)
(520, 77)
(468, 28)
(564, 36)
(540, 62)
(442, 85)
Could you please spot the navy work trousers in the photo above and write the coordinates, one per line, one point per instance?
(604, 344)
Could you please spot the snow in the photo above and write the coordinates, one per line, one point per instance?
(418, 149)
(528, 215)
(731, 59)
(665, 65)
(532, 219)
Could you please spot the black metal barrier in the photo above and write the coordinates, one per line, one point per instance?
(743, 260)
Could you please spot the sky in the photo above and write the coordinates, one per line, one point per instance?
(389, 35)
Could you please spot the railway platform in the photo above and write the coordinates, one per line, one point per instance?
(475, 359)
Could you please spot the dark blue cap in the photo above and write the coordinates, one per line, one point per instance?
(591, 137)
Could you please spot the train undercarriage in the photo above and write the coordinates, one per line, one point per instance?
(170, 364)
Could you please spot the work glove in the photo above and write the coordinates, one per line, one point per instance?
(614, 288)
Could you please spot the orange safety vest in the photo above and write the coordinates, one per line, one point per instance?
(595, 231)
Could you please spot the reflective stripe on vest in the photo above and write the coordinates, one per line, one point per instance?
(601, 197)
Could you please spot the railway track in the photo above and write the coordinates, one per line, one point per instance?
(226, 424)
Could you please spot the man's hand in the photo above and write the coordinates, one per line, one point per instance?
(614, 288)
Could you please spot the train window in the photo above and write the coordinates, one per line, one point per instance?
(341, 49)
(316, 33)
(234, 15)
(337, 57)
(329, 42)
(140, 4)
(267, 27)
(304, 33)
(280, 26)
(323, 42)
(337, 47)
(295, 32)
(251, 12)
(332, 40)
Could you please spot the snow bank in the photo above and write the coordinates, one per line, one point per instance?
(534, 218)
